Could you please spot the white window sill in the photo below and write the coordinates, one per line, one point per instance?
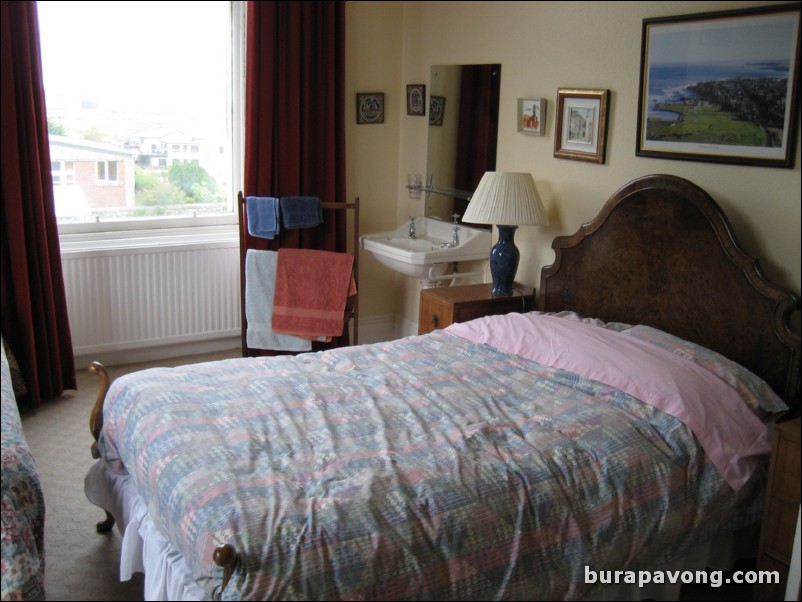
(143, 240)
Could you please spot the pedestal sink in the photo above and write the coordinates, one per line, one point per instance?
(429, 254)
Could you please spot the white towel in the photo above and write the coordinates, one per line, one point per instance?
(260, 283)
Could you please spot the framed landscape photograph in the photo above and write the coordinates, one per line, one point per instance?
(581, 129)
(531, 116)
(721, 86)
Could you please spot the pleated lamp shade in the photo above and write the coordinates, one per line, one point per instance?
(506, 198)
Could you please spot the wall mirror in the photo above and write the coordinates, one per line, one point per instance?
(463, 138)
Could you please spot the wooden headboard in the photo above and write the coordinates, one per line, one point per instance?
(661, 252)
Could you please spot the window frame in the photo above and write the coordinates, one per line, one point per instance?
(65, 173)
(104, 169)
(161, 228)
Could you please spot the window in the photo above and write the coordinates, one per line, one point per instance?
(120, 116)
(63, 173)
(107, 171)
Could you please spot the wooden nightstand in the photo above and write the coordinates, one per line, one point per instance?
(443, 306)
(781, 510)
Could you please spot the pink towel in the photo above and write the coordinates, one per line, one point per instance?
(312, 290)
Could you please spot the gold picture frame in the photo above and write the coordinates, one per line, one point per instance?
(581, 126)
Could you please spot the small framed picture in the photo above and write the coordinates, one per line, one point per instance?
(416, 99)
(437, 109)
(581, 130)
(370, 107)
(531, 116)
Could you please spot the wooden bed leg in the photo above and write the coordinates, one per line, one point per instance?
(96, 417)
(226, 556)
(95, 425)
(105, 526)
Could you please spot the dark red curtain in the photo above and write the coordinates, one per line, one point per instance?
(294, 112)
(34, 308)
(294, 119)
(478, 127)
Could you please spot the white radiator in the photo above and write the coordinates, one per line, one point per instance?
(122, 300)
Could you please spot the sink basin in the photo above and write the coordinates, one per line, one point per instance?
(425, 256)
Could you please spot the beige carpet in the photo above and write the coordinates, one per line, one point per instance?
(81, 564)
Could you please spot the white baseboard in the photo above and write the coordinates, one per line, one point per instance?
(405, 328)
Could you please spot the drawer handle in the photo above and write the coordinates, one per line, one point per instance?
(435, 320)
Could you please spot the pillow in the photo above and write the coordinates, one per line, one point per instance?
(757, 394)
(571, 315)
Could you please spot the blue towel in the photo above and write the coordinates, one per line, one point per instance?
(301, 211)
(262, 216)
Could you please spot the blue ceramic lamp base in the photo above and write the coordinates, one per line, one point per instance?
(504, 258)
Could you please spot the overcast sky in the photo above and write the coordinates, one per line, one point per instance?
(714, 41)
(134, 55)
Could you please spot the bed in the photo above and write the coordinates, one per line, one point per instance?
(526, 456)
(23, 509)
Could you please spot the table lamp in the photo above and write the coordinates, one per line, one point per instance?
(507, 200)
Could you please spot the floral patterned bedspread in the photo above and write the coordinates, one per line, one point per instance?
(23, 506)
(424, 468)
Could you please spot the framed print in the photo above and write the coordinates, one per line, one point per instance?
(721, 87)
(370, 107)
(581, 132)
(437, 109)
(531, 116)
(416, 99)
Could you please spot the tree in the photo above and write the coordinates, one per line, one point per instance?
(94, 134)
(162, 194)
(192, 178)
(144, 180)
(55, 128)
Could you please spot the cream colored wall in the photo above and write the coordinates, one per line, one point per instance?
(541, 46)
(373, 58)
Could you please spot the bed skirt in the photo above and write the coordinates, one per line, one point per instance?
(144, 549)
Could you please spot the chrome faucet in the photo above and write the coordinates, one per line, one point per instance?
(412, 228)
(455, 237)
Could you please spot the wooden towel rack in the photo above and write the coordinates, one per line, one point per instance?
(352, 309)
